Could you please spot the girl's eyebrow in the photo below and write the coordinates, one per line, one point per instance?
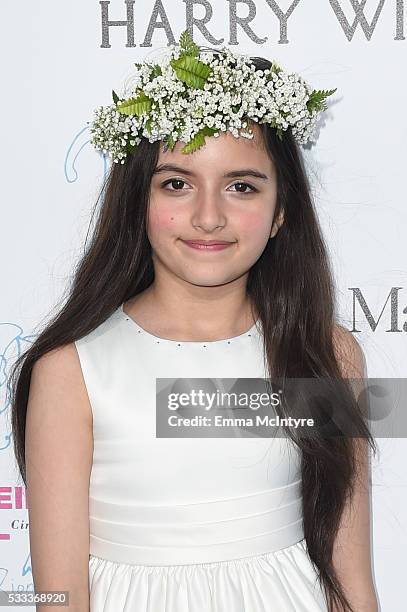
(232, 174)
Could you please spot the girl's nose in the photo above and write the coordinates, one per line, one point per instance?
(209, 212)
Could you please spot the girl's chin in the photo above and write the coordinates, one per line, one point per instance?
(208, 278)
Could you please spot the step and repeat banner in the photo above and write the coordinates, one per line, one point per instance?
(61, 60)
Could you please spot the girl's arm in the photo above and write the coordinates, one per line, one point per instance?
(352, 552)
(59, 449)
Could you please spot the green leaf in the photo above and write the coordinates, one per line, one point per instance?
(136, 106)
(129, 147)
(148, 125)
(280, 133)
(156, 71)
(137, 65)
(317, 99)
(191, 71)
(198, 140)
(274, 69)
(170, 142)
(187, 45)
(115, 97)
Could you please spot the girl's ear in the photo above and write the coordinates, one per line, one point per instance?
(278, 221)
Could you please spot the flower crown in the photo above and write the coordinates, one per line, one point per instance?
(192, 94)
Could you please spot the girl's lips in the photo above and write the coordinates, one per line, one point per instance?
(208, 246)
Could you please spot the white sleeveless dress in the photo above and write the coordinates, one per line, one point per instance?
(187, 524)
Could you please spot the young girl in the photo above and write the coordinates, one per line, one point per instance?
(207, 261)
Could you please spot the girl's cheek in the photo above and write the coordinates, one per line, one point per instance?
(161, 222)
(252, 224)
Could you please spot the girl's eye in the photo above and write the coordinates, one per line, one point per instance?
(177, 184)
(253, 189)
(174, 181)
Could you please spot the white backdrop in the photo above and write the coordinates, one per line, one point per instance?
(57, 67)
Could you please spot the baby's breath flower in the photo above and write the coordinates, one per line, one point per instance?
(161, 105)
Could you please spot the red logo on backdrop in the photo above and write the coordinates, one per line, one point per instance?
(12, 498)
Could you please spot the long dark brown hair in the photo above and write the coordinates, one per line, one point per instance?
(290, 286)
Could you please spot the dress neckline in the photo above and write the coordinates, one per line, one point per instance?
(252, 332)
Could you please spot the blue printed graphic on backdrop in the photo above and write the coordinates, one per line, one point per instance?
(12, 585)
(13, 342)
(74, 150)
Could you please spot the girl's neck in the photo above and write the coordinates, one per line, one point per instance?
(188, 317)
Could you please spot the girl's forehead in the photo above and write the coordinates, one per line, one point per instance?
(218, 155)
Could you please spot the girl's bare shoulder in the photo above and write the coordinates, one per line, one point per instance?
(348, 352)
(57, 380)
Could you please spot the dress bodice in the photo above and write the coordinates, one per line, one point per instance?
(180, 500)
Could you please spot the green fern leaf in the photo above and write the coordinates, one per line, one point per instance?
(187, 45)
(136, 106)
(170, 142)
(148, 125)
(317, 99)
(115, 97)
(191, 71)
(156, 71)
(198, 140)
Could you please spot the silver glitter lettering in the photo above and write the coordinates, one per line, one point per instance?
(357, 295)
(200, 23)
(282, 17)
(359, 18)
(400, 20)
(128, 23)
(234, 20)
(158, 11)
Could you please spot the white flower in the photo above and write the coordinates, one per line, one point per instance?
(228, 95)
